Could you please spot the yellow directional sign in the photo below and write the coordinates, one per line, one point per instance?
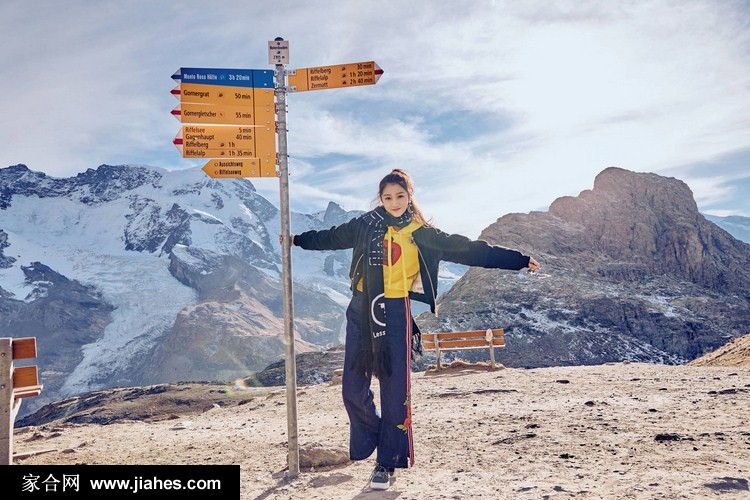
(188, 152)
(207, 141)
(215, 137)
(331, 77)
(219, 94)
(237, 168)
(218, 114)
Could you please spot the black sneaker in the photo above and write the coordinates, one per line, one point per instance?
(380, 479)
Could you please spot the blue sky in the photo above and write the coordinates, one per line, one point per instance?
(493, 106)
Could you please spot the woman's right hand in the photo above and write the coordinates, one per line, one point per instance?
(291, 240)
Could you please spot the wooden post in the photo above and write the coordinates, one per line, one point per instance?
(437, 351)
(491, 340)
(6, 401)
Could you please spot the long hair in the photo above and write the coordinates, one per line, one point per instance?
(403, 179)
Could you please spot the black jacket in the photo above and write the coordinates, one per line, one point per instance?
(433, 246)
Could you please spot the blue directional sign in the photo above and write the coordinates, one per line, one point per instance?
(255, 78)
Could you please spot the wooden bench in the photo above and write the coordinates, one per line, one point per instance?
(15, 385)
(478, 339)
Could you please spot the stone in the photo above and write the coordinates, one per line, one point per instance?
(338, 376)
(316, 455)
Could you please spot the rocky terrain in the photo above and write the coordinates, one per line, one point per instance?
(236, 326)
(631, 271)
(621, 430)
(734, 353)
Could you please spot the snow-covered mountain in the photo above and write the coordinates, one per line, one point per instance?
(736, 225)
(116, 234)
(134, 275)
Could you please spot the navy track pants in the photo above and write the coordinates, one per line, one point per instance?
(389, 431)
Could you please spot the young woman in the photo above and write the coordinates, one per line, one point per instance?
(395, 258)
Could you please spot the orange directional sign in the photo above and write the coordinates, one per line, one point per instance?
(188, 152)
(208, 113)
(218, 94)
(207, 141)
(331, 77)
(237, 168)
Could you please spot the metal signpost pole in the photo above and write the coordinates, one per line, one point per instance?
(278, 53)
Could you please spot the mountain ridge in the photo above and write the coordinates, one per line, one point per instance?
(630, 271)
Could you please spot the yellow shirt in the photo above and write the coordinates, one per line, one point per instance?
(400, 261)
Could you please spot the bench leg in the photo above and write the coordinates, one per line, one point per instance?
(16, 407)
(437, 357)
(492, 357)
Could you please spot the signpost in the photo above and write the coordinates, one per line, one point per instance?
(228, 117)
(221, 94)
(228, 114)
(332, 77)
(278, 51)
(201, 141)
(219, 113)
(250, 78)
(234, 169)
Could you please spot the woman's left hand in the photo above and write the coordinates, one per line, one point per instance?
(533, 265)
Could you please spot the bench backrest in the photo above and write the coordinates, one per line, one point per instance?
(464, 340)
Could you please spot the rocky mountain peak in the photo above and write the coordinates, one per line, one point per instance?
(631, 270)
(651, 222)
(108, 182)
(16, 171)
(334, 215)
(333, 212)
(626, 183)
(103, 184)
(17, 178)
(617, 190)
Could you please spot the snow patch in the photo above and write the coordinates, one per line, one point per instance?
(146, 300)
(659, 304)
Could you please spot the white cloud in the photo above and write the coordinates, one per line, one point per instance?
(559, 90)
(710, 191)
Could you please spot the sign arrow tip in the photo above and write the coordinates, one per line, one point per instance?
(378, 72)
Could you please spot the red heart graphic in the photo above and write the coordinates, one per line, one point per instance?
(396, 252)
